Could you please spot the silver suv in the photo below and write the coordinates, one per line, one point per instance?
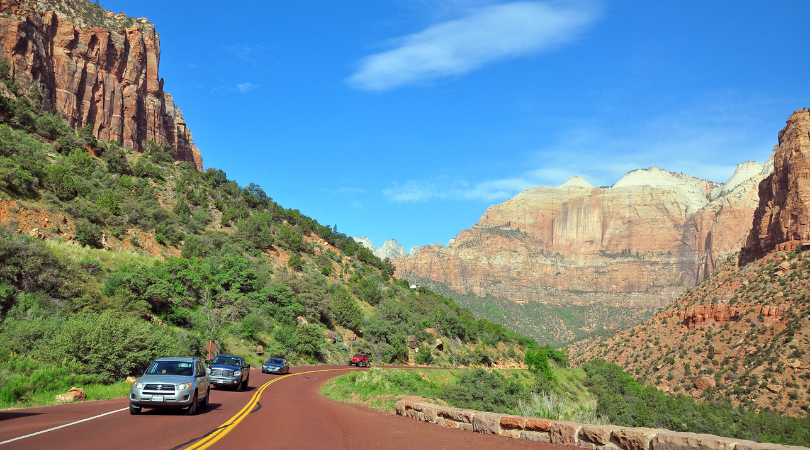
(174, 382)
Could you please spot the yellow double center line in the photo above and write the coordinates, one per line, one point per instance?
(226, 427)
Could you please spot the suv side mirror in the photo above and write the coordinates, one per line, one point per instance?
(139, 372)
(207, 362)
(248, 366)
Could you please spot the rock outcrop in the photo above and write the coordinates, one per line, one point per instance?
(391, 249)
(103, 77)
(654, 231)
(783, 215)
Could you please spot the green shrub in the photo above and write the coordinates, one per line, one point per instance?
(88, 233)
(60, 182)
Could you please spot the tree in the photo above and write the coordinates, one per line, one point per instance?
(345, 311)
(214, 315)
(309, 339)
(60, 182)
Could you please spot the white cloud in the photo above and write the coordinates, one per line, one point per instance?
(697, 143)
(246, 87)
(444, 188)
(486, 34)
(346, 190)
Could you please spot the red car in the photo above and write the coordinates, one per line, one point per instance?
(360, 360)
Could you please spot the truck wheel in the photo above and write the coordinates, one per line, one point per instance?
(134, 410)
(240, 386)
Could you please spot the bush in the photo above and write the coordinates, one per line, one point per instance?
(424, 355)
(484, 391)
(89, 234)
(110, 345)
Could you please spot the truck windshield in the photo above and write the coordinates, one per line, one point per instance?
(229, 360)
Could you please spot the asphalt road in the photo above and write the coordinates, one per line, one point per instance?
(276, 412)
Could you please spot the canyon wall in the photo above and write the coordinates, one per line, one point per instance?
(783, 215)
(654, 232)
(105, 77)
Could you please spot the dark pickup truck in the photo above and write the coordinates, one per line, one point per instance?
(229, 371)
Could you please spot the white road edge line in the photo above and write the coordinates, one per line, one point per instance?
(63, 426)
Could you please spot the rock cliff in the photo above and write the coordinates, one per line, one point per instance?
(96, 69)
(654, 232)
(783, 215)
(747, 325)
(390, 249)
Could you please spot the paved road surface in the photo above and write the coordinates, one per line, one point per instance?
(287, 413)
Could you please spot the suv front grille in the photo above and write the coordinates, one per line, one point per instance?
(221, 373)
(159, 387)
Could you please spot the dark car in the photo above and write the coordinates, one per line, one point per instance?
(276, 365)
(176, 382)
(230, 371)
(360, 360)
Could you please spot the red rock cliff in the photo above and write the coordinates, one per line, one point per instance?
(783, 215)
(107, 78)
(638, 243)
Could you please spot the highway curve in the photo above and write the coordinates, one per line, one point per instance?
(287, 413)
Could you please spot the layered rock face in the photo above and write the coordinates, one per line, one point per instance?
(98, 76)
(654, 232)
(783, 215)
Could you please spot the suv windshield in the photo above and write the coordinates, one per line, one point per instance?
(359, 355)
(275, 361)
(229, 360)
(182, 368)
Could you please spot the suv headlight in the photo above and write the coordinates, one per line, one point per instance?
(237, 373)
(137, 385)
(183, 386)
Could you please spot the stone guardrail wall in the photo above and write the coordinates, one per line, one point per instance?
(596, 437)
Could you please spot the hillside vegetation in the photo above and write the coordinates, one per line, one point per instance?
(740, 337)
(110, 258)
(555, 325)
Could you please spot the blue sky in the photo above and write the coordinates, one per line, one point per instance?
(406, 119)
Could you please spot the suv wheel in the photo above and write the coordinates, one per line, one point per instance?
(204, 404)
(134, 410)
(192, 408)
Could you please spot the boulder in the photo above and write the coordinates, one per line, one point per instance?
(704, 383)
(330, 336)
(72, 395)
(412, 341)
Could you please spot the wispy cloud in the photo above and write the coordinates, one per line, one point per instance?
(445, 188)
(246, 87)
(249, 54)
(701, 145)
(346, 190)
(486, 34)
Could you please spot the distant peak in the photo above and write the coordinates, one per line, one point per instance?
(577, 181)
